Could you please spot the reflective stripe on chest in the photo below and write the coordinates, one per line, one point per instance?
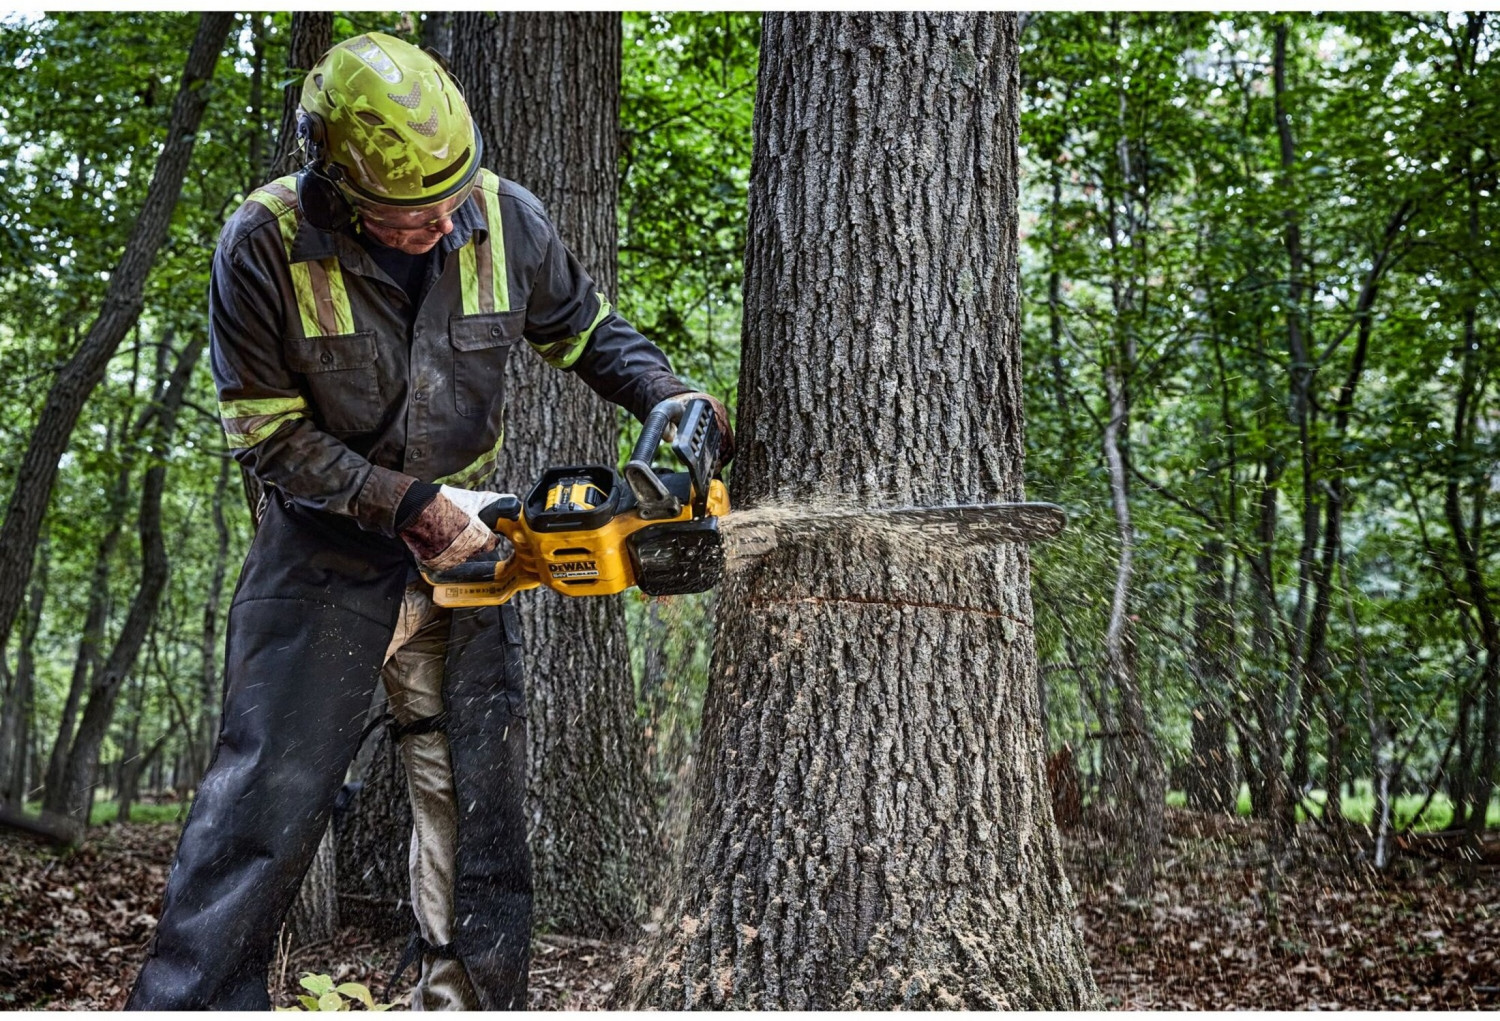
(482, 264)
(322, 299)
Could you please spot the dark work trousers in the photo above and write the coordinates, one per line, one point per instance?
(311, 619)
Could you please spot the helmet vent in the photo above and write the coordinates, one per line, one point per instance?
(371, 118)
(412, 99)
(318, 81)
(428, 180)
(427, 127)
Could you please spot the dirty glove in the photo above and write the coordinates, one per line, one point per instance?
(721, 415)
(448, 530)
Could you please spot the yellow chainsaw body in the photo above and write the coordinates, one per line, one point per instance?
(585, 562)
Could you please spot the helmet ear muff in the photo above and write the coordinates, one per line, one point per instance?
(312, 136)
(323, 205)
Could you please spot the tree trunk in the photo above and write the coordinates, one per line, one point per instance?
(872, 826)
(1477, 762)
(544, 89)
(314, 916)
(1380, 739)
(15, 727)
(69, 798)
(122, 305)
(209, 694)
(372, 824)
(131, 769)
(87, 660)
(1212, 785)
(1135, 785)
(311, 36)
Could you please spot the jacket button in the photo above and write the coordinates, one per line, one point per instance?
(326, 358)
(494, 331)
(415, 455)
(420, 396)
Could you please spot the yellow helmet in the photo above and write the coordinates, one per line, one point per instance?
(388, 123)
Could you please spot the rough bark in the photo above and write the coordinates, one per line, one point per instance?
(544, 89)
(872, 825)
(122, 305)
(314, 916)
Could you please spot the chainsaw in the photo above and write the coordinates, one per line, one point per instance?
(587, 530)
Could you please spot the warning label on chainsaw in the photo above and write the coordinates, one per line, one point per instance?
(574, 569)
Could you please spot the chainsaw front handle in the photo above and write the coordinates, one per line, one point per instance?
(651, 495)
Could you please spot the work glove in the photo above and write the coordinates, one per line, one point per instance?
(721, 415)
(449, 530)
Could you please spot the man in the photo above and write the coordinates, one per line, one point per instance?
(361, 317)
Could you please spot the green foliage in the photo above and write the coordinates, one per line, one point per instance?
(1156, 205)
(327, 996)
(686, 109)
(687, 100)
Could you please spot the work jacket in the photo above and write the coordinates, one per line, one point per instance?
(333, 393)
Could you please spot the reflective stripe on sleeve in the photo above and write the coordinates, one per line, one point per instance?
(561, 354)
(247, 423)
(477, 474)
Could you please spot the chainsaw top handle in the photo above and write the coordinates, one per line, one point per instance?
(696, 445)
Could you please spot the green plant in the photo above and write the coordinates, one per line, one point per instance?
(327, 996)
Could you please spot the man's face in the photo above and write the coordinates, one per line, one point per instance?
(412, 241)
(415, 230)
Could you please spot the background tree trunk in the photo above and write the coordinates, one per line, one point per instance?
(315, 913)
(122, 304)
(311, 36)
(205, 727)
(1211, 782)
(16, 724)
(69, 798)
(545, 90)
(373, 829)
(872, 826)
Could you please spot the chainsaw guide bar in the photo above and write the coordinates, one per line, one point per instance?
(588, 530)
(967, 524)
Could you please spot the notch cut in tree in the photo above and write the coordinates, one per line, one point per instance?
(872, 825)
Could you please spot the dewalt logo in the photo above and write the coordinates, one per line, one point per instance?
(574, 569)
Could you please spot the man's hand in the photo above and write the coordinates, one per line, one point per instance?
(721, 415)
(471, 500)
(448, 531)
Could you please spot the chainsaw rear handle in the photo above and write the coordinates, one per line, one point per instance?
(507, 507)
(484, 569)
(651, 495)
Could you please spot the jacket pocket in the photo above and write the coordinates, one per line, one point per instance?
(342, 379)
(481, 346)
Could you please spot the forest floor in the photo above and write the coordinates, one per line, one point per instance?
(73, 929)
